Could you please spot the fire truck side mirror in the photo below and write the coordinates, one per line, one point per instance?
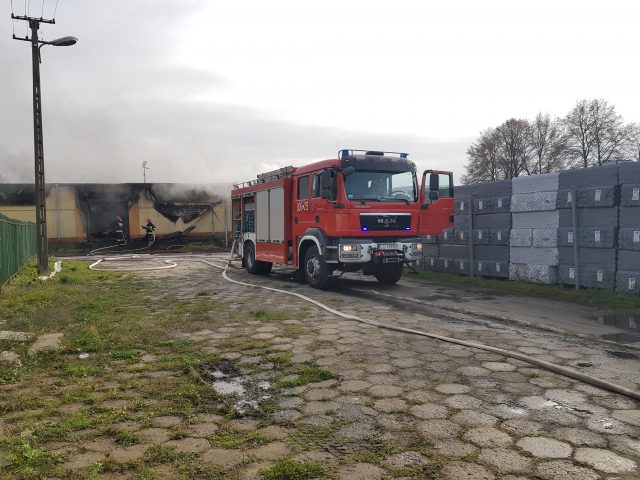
(434, 183)
(348, 171)
(327, 183)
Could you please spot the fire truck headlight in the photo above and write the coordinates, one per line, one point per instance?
(348, 248)
(417, 247)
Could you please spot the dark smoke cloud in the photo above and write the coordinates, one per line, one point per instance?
(113, 100)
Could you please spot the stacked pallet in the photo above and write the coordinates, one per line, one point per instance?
(533, 240)
(479, 242)
(628, 272)
(593, 236)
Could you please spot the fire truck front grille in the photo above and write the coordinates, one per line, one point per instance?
(385, 222)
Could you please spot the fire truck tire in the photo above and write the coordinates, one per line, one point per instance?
(390, 274)
(265, 267)
(315, 269)
(249, 259)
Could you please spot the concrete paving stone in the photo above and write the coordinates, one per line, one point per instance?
(465, 471)
(453, 447)
(406, 363)
(167, 421)
(270, 451)
(487, 437)
(438, 428)
(625, 445)
(566, 354)
(521, 389)
(209, 417)
(13, 336)
(429, 410)
(189, 445)
(323, 384)
(320, 407)
(505, 461)
(45, 343)
(301, 358)
(128, 454)
(565, 396)
(463, 402)
(361, 471)
(474, 418)
(631, 417)
(406, 460)
(243, 424)
(10, 358)
(565, 470)
(423, 396)
(605, 460)
(382, 391)
(202, 430)
(231, 355)
(274, 432)
(103, 445)
(286, 416)
(522, 428)
(453, 388)
(382, 379)
(548, 382)
(615, 402)
(321, 394)
(290, 402)
(128, 426)
(545, 447)
(459, 353)
(499, 366)
(444, 367)
(294, 390)
(388, 405)
(512, 377)
(84, 460)
(356, 431)
(580, 437)
(223, 457)
(608, 425)
(474, 371)
(155, 435)
(393, 422)
(317, 420)
(353, 386)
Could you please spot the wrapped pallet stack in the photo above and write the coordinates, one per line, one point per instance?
(483, 220)
(535, 220)
(592, 239)
(628, 274)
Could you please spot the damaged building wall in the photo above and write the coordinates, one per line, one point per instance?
(84, 212)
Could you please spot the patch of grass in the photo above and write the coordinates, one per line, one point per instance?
(159, 454)
(588, 297)
(29, 462)
(292, 331)
(124, 437)
(268, 315)
(289, 469)
(307, 374)
(229, 438)
(197, 471)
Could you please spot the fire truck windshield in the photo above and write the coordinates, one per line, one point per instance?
(379, 186)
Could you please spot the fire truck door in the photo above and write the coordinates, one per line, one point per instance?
(436, 198)
(303, 217)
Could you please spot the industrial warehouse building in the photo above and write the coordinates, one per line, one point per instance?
(87, 212)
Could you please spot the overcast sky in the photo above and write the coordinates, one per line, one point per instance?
(218, 91)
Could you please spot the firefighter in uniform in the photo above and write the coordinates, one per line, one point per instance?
(149, 228)
(120, 240)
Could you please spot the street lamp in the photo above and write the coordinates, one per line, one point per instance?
(38, 145)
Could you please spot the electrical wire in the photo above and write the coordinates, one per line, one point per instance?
(55, 10)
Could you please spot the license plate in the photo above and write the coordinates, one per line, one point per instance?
(387, 246)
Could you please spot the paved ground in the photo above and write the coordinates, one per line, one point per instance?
(373, 404)
(475, 414)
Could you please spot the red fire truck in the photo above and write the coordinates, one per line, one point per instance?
(364, 211)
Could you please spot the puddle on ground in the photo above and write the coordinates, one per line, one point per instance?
(625, 320)
(227, 379)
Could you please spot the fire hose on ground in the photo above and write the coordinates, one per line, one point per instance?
(559, 369)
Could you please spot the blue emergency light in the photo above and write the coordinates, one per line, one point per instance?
(344, 153)
(364, 229)
(404, 155)
(407, 228)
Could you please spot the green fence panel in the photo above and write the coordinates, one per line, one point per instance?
(17, 245)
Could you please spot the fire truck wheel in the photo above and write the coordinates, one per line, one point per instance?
(390, 274)
(250, 262)
(315, 269)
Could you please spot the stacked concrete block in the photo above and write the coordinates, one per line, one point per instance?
(488, 207)
(628, 261)
(535, 221)
(595, 233)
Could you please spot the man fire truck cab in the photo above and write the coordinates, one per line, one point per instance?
(364, 211)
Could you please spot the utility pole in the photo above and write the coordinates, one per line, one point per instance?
(38, 144)
(144, 172)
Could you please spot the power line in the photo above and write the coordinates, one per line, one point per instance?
(55, 10)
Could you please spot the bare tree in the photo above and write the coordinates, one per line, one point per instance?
(514, 154)
(548, 142)
(610, 135)
(579, 130)
(482, 158)
(632, 150)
